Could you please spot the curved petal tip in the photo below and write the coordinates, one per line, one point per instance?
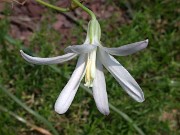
(140, 100)
(22, 53)
(47, 61)
(104, 111)
(59, 110)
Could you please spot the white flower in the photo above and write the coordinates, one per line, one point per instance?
(92, 57)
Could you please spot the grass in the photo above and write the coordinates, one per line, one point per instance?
(156, 69)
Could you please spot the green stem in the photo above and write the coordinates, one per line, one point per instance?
(2, 108)
(21, 119)
(42, 119)
(52, 6)
(85, 9)
(127, 118)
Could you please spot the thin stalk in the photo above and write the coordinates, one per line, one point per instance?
(21, 119)
(127, 118)
(52, 6)
(85, 9)
(42, 119)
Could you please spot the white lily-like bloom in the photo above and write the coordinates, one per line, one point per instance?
(92, 57)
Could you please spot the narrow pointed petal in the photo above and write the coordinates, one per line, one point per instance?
(46, 61)
(79, 49)
(66, 96)
(122, 76)
(127, 49)
(99, 89)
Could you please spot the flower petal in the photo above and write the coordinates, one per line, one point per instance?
(127, 49)
(46, 61)
(99, 89)
(79, 49)
(67, 94)
(122, 76)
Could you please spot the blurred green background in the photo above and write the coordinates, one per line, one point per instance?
(156, 69)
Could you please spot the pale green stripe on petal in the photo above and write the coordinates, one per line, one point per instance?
(79, 49)
(122, 76)
(47, 61)
(127, 49)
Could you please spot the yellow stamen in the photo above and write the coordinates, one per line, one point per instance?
(90, 69)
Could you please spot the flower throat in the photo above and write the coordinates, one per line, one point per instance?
(93, 37)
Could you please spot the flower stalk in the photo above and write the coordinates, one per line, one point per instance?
(68, 9)
(85, 9)
(52, 6)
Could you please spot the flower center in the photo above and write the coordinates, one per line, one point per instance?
(93, 37)
(90, 69)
